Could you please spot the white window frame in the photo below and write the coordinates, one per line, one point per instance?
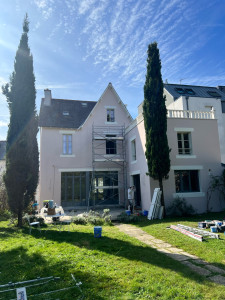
(110, 115)
(183, 149)
(67, 144)
(189, 194)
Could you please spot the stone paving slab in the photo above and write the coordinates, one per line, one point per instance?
(200, 262)
(178, 257)
(215, 269)
(199, 270)
(218, 279)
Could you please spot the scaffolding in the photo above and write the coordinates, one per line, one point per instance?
(108, 180)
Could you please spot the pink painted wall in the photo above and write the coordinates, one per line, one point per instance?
(206, 155)
(52, 163)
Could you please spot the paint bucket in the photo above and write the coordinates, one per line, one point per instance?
(145, 213)
(128, 212)
(201, 224)
(97, 231)
(213, 229)
(50, 203)
(218, 223)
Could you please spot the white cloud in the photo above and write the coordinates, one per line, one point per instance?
(3, 123)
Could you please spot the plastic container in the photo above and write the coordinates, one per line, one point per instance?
(218, 223)
(128, 212)
(213, 229)
(97, 231)
(51, 204)
(145, 213)
(201, 224)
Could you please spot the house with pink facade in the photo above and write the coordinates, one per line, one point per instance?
(91, 152)
(82, 150)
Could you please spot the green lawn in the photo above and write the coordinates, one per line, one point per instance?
(112, 267)
(211, 250)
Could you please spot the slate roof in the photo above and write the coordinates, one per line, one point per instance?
(65, 113)
(2, 150)
(199, 91)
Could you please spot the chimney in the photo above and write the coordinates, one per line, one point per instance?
(48, 97)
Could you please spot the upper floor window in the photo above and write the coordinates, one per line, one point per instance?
(133, 150)
(110, 144)
(186, 181)
(110, 115)
(67, 143)
(184, 143)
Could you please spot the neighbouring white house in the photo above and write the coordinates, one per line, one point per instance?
(2, 156)
(202, 99)
(91, 152)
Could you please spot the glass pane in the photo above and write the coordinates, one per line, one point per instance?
(194, 181)
(179, 136)
(70, 147)
(63, 187)
(185, 181)
(185, 136)
(177, 181)
(77, 189)
(69, 191)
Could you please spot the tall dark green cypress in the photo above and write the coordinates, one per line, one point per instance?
(155, 120)
(22, 161)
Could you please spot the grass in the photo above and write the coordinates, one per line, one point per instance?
(115, 266)
(211, 250)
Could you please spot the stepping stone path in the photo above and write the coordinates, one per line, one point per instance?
(196, 264)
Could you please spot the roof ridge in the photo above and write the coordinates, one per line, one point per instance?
(202, 86)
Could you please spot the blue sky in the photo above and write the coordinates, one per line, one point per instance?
(79, 46)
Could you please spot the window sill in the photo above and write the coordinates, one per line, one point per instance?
(185, 156)
(110, 123)
(133, 162)
(67, 155)
(189, 195)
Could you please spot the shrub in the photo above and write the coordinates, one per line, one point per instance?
(94, 218)
(180, 208)
(79, 220)
(3, 196)
(5, 215)
(124, 218)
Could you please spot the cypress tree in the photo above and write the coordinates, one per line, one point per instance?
(155, 120)
(22, 162)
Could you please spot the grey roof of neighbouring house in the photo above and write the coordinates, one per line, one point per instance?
(199, 91)
(2, 150)
(65, 113)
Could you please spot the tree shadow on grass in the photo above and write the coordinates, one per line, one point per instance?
(123, 248)
(18, 265)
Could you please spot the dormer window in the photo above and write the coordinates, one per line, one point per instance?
(84, 104)
(189, 91)
(180, 91)
(213, 94)
(66, 113)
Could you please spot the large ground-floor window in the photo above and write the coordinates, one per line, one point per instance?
(106, 189)
(187, 181)
(76, 189)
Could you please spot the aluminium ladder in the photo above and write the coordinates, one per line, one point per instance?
(195, 233)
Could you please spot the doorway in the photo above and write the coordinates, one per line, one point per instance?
(137, 194)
